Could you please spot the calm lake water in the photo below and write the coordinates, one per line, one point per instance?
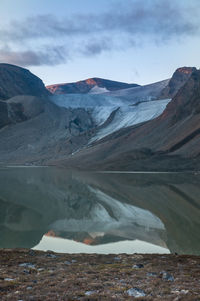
(54, 209)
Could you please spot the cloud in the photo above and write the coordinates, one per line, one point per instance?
(126, 24)
(96, 46)
(26, 58)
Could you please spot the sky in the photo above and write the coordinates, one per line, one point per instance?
(135, 41)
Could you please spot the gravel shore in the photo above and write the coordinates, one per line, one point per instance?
(35, 275)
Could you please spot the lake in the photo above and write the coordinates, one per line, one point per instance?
(47, 208)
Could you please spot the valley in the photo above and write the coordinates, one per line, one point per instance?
(108, 125)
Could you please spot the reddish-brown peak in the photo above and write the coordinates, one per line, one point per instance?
(90, 81)
(186, 70)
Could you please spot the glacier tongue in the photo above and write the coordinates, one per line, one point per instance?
(131, 115)
(101, 106)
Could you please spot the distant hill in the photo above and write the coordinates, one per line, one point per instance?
(85, 86)
(15, 81)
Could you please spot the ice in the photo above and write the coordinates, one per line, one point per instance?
(98, 90)
(130, 115)
(125, 111)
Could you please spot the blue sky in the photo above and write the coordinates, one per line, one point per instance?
(140, 41)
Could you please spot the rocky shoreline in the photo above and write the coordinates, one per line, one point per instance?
(35, 275)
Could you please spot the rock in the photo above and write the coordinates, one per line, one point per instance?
(27, 265)
(151, 274)
(89, 293)
(138, 266)
(167, 276)
(26, 271)
(117, 258)
(74, 261)
(67, 262)
(51, 255)
(136, 292)
(31, 252)
(29, 288)
(8, 279)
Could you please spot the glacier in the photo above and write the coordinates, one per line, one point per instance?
(126, 110)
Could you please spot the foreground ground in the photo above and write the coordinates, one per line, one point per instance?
(35, 275)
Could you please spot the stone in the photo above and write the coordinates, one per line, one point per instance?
(136, 292)
(151, 274)
(138, 266)
(89, 293)
(67, 262)
(8, 279)
(167, 276)
(27, 265)
(51, 255)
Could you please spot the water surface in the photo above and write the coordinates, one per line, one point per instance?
(65, 211)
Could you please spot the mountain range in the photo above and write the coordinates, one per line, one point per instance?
(100, 124)
(91, 85)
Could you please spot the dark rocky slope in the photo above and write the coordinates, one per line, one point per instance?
(169, 142)
(85, 86)
(32, 129)
(42, 133)
(15, 80)
(179, 78)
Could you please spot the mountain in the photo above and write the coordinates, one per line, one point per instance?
(169, 142)
(32, 128)
(128, 129)
(141, 93)
(93, 85)
(179, 78)
(15, 81)
(112, 111)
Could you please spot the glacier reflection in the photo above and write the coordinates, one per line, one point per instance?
(96, 212)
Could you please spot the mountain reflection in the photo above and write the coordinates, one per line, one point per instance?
(98, 208)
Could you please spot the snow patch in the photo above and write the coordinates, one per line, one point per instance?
(98, 90)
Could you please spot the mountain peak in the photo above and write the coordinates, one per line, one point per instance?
(84, 86)
(179, 78)
(15, 81)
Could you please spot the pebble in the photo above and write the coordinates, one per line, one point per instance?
(27, 265)
(89, 293)
(136, 292)
(31, 252)
(151, 274)
(51, 255)
(167, 276)
(67, 262)
(117, 258)
(138, 266)
(26, 271)
(29, 288)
